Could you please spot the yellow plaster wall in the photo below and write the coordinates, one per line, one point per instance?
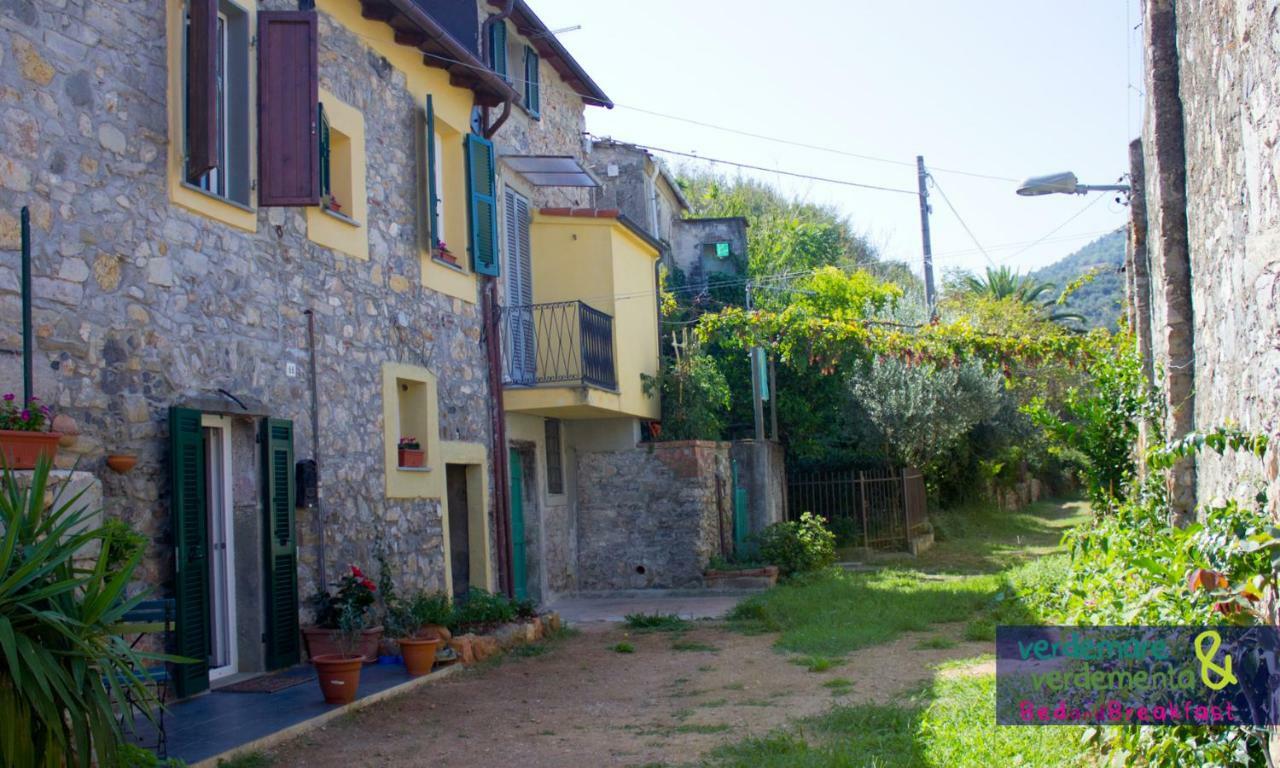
(602, 263)
(475, 457)
(181, 193)
(635, 321)
(453, 121)
(349, 237)
(401, 483)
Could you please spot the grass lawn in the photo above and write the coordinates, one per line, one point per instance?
(951, 725)
(990, 568)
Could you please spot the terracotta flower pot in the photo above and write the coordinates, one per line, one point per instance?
(121, 463)
(412, 457)
(324, 642)
(419, 655)
(339, 677)
(21, 450)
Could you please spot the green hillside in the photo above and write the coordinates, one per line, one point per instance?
(1100, 301)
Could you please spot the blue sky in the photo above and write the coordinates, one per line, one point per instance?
(1009, 88)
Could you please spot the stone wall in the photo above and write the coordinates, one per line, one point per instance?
(1227, 59)
(652, 516)
(690, 253)
(762, 470)
(142, 304)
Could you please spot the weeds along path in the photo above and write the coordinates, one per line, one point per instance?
(859, 648)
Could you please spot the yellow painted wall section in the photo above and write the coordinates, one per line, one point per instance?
(403, 483)
(453, 121)
(475, 456)
(572, 261)
(601, 262)
(349, 237)
(181, 193)
(635, 320)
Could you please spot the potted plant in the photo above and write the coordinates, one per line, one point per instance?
(339, 673)
(416, 647)
(411, 454)
(355, 594)
(443, 254)
(333, 204)
(23, 436)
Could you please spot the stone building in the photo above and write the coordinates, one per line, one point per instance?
(234, 241)
(639, 184)
(1205, 263)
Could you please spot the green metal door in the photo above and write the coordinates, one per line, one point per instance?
(517, 526)
(741, 525)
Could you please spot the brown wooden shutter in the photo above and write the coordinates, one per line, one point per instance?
(202, 88)
(288, 102)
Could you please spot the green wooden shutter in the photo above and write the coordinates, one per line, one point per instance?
(532, 83)
(281, 544)
(188, 514)
(483, 206)
(326, 179)
(433, 194)
(498, 49)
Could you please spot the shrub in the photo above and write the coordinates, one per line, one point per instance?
(61, 660)
(482, 609)
(798, 546)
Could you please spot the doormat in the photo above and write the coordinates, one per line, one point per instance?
(273, 683)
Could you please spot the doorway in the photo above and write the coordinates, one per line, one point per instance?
(223, 656)
(519, 559)
(459, 528)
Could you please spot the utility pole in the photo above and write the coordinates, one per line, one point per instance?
(757, 391)
(930, 296)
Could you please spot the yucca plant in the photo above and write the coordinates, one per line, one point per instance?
(63, 665)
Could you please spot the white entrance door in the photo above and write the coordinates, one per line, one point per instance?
(222, 583)
(521, 352)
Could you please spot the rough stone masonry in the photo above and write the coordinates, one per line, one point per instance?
(141, 304)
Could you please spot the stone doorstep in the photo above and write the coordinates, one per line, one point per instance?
(292, 732)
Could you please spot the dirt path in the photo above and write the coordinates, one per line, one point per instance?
(583, 704)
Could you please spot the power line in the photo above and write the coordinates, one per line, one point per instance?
(1055, 230)
(960, 219)
(793, 174)
(1020, 243)
(806, 145)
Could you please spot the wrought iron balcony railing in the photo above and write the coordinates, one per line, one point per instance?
(562, 343)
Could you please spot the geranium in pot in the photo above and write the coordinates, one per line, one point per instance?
(355, 594)
(339, 673)
(24, 437)
(411, 454)
(418, 647)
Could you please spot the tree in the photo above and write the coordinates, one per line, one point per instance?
(1005, 283)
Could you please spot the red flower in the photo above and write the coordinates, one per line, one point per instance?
(369, 585)
(359, 574)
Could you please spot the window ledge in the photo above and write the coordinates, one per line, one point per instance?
(413, 469)
(342, 217)
(448, 265)
(217, 198)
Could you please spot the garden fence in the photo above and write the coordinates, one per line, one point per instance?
(876, 509)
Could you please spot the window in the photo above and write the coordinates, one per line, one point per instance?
(338, 221)
(337, 182)
(216, 79)
(433, 187)
(555, 466)
(498, 49)
(532, 82)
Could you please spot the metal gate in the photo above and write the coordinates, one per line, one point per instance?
(879, 508)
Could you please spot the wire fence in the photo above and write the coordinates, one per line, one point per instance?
(877, 509)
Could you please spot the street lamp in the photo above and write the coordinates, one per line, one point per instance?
(1064, 183)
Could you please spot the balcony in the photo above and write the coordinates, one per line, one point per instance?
(566, 343)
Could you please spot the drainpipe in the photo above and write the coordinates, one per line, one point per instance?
(315, 447)
(505, 10)
(498, 426)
